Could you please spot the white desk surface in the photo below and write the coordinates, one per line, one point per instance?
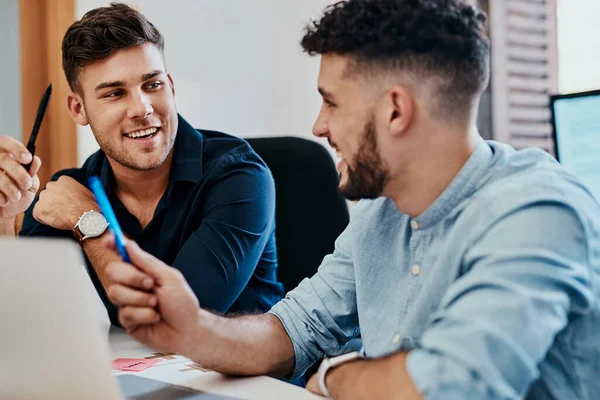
(170, 371)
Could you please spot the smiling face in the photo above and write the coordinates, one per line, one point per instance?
(128, 101)
(347, 120)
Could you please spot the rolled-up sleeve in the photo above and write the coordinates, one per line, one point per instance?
(320, 315)
(527, 275)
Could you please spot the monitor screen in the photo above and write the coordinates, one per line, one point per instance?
(576, 123)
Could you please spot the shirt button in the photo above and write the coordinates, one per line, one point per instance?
(416, 270)
(414, 224)
(396, 339)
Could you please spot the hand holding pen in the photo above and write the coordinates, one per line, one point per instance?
(18, 169)
(38, 122)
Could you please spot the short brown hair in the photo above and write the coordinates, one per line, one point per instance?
(100, 33)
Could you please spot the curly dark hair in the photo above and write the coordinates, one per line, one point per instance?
(100, 33)
(441, 41)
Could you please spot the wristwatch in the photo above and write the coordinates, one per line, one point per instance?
(329, 363)
(90, 224)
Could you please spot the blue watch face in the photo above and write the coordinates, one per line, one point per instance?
(92, 224)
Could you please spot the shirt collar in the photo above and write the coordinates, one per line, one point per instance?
(462, 186)
(106, 176)
(188, 151)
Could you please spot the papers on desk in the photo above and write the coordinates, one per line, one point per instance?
(181, 371)
(133, 364)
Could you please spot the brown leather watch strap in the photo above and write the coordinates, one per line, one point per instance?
(78, 234)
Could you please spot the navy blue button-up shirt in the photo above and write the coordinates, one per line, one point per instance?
(215, 223)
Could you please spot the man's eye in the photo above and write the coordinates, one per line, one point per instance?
(116, 93)
(155, 85)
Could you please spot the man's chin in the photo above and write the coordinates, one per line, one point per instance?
(150, 164)
(343, 187)
(144, 162)
(347, 192)
(353, 193)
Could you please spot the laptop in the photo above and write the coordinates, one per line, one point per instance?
(576, 134)
(53, 345)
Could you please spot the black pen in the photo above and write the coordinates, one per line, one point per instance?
(38, 122)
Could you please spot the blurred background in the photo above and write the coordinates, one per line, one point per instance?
(238, 67)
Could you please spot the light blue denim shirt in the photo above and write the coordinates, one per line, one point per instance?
(493, 289)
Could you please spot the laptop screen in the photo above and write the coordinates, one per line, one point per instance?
(576, 123)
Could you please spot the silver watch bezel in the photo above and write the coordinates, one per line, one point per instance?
(86, 235)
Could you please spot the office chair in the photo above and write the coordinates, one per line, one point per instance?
(310, 213)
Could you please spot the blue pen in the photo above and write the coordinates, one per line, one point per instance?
(109, 214)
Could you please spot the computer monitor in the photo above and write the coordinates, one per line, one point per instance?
(576, 129)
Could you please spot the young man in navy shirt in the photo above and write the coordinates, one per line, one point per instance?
(202, 201)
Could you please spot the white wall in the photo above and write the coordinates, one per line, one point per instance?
(579, 45)
(10, 70)
(237, 64)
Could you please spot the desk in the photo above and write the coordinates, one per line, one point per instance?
(179, 370)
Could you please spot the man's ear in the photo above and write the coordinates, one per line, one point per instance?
(400, 109)
(171, 83)
(76, 108)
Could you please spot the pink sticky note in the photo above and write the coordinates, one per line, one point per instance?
(133, 364)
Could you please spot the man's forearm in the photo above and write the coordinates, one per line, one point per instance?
(99, 257)
(248, 345)
(385, 378)
(7, 227)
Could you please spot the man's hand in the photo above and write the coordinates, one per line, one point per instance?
(157, 307)
(63, 202)
(17, 186)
